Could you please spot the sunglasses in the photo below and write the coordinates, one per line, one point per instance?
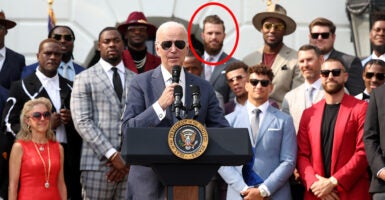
(255, 82)
(180, 44)
(235, 78)
(379, 76)
(58, 37)
(323, 35)
(277, 26)
(38, 115)
(335, 72)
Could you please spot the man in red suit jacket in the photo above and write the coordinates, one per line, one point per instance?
(331, 156)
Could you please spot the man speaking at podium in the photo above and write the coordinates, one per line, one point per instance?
(151, 96)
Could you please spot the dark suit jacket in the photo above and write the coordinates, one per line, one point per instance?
(152, 61)
(144, 90)
(218, 79)
(34, 89)
(32, 68)
(12, 67)
(374, 137)
(3, 98)
(355, 84)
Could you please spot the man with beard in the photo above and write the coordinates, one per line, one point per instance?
(135, 31)
(213, 36)
(322, 35)
(373, 76)
(68, 68)
(274, 24)
(331, 157)
(377, 38)
(97, 103)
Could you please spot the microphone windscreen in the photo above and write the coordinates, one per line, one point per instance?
(195, 89)
(176, 73)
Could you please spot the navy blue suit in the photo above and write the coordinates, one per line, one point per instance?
(144, 90)
(12, 67)
(32, 68)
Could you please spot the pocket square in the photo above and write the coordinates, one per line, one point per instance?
(284, 67)
(223, 72)
(273, 129)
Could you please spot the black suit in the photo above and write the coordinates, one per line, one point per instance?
(12, 67)
(374, 137)
(355, 84)
(34, 89)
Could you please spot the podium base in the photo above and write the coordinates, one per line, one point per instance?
(185, 193)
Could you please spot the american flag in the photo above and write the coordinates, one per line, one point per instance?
(51, 16)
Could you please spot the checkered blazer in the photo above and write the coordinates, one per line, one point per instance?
(96, 112)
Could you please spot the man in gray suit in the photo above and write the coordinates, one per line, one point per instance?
(213, 35)
(273, 140)
(151, 96)
(97, 104)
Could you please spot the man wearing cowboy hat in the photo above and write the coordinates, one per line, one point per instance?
(274, 24)
(135, 31)
(11, 63)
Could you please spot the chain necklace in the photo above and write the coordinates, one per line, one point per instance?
(46, 172)
(140, 63)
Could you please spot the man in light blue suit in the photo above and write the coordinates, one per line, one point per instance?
(150, 97)
(273, 138)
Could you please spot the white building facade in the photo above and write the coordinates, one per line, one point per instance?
(88, 17)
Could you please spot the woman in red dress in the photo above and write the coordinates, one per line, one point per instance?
(36, 160)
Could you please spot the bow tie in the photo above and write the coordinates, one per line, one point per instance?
(365, 96)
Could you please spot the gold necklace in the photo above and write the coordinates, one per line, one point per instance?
(46, 174)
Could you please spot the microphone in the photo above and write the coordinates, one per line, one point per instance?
(175, 73)
(196, 105)
(178, 94)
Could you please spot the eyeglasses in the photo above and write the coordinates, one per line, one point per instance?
(323, 35)
(235, 78)
(180, 44)
(335, 72)
(38, 115)
(255, 82)
(379, 76)
(277, 26)
(58, 37)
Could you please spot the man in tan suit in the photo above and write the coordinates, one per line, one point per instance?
(311, 91)
(274, 24)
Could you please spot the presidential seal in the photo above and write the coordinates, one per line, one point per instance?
(188, 139)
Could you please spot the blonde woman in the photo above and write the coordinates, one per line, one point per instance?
(36, 160)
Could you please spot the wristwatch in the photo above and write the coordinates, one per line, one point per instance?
(263, 192)
(333, 180)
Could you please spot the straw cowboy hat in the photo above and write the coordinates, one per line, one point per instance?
(134, 19)
(8, 24)
(275, 11)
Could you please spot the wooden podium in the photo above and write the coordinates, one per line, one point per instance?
(149, 147)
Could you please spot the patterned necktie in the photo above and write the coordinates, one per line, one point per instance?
(117, 83)
(255, 123)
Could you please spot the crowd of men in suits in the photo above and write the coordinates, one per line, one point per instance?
(313, 115)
